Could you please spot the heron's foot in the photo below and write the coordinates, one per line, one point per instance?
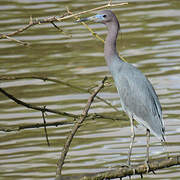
(147, 166)
(128, 165)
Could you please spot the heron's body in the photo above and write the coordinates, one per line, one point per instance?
(137, 95)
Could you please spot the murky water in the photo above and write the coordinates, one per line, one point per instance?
(149, 39)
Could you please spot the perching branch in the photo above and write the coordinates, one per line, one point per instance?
(74, 130)
(134, 170)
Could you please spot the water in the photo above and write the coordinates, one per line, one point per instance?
(149, 39)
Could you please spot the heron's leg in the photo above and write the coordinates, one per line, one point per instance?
(148, 140)
(132, 141)
(147, 149)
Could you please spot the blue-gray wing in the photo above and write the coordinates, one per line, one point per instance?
(138, 98)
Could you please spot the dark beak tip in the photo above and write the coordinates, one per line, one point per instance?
(82, 20)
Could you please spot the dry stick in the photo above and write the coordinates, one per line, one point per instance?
(135, 170)
(31, 23)
(57, 81)
(13, 39)
(91, 10)
(92, 32)
(60, 30)
(74, 130)
(54, 19)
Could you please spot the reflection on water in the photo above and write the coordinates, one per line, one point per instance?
(149, 39)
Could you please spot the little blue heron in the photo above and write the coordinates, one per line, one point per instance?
(137, 95)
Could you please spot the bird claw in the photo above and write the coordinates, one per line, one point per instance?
(147, 166)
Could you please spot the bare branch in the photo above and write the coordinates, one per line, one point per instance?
(91, 10)
(13, 39)
(74, 130)
(92, 116)
(58, 81)
(36, 107)
(52, 20)
(44, 109)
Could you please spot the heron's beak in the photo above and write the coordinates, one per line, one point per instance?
(95, 18)
(92, 18)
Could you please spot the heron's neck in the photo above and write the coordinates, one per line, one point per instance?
(110, 51)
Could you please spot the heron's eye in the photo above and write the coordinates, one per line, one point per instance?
(104, 16)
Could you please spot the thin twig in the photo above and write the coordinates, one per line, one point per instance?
(74, 130)
(31, 23)
(37, 125)
(92, 32)
(61, 30)
(91, 10)
(13, 39)
(45, 129)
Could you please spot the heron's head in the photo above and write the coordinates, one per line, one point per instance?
(105, 17)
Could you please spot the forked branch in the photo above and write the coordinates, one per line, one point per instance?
(74, 130)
